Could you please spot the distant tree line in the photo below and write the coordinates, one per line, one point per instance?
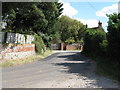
(68, 30)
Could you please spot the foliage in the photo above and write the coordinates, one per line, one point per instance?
(113, 37)
(39, 44)
(80, 41)
(52, 11)
(30, 17)
(70, 40)
(97, 38)
(96, 42)
(42, 18)
(105, 50)
(56, 38)
(104, 47)
(92, 41)
(69, 28)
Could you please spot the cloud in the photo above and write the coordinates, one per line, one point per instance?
(93, 23)
(68, 9)
(107, 10)
(90, 22)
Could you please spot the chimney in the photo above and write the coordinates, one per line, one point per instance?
(86, 26)
(99, 25)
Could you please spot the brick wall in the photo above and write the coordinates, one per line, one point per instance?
(73, 47)
(13, 51)
(15, 45)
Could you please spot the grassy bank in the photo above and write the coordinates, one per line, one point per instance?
(9, 63)
(105, 67)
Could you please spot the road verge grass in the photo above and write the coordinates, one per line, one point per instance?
(9, 63)
(105, 67)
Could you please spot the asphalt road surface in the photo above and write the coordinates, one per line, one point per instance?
(60, 70)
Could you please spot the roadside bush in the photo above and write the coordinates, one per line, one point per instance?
(96, 39)
(39, 45)
(92, 41)
(87, 43)
(103, 47)
(113, 37)
(105, 51)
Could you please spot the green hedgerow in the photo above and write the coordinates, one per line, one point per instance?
(39, 44)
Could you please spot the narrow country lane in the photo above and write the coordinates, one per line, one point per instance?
(61, 70)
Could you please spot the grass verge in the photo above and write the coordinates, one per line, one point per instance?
(9, 63)
(105, 67)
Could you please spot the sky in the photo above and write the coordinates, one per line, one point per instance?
(90, 12)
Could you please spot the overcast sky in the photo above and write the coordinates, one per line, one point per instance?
(90, 12)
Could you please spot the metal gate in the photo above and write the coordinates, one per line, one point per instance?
(56, 46)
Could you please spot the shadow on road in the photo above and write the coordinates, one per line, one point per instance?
(49, 57)
(82, 66)
(75, 62)
(74, 57)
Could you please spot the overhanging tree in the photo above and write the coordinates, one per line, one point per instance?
(31, 17)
